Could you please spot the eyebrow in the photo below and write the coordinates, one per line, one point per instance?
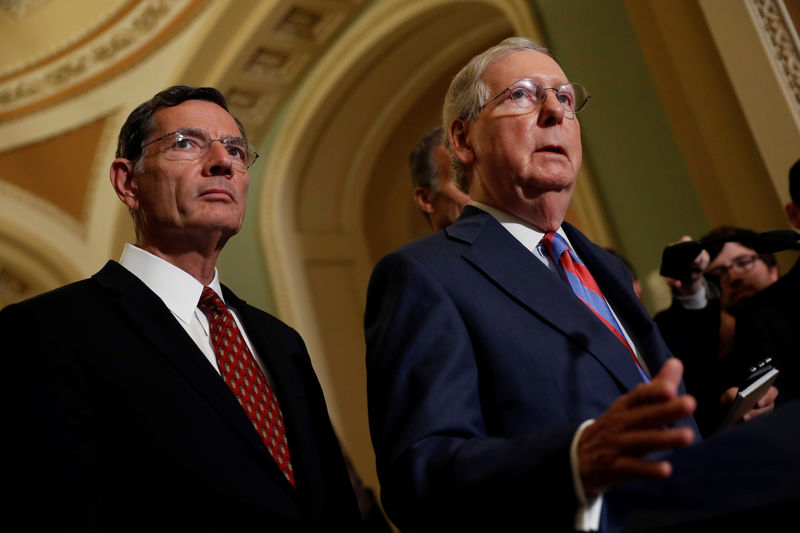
(204, 134)
(540, 79)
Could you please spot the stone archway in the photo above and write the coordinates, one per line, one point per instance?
(335, 191)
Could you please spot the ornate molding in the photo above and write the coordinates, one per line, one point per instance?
(19, 8)
(785, 45)
(118, 46)
(278, 57)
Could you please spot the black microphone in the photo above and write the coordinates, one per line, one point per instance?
(770, 242)
(676, 260)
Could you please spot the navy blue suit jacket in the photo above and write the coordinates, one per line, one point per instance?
(122, 424)
(481, 365)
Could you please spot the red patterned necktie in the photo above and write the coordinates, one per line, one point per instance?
(245, 378)
(585, 287)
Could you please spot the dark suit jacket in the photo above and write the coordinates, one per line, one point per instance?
(769, 325)
(692, 336)
(481, 365)
(122, 424)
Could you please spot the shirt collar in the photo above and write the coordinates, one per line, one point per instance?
(525, 232)
(179, 291)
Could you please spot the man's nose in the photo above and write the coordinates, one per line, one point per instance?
(551, 111)
(734, 277)
(218, 160)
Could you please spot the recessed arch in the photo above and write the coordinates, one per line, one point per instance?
(338, 155)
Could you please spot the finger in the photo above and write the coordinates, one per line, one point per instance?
(769, 398)
(671, 373)
(658, 415)
(632, 467)
(640, 443)
(673, 283)
(598, 478)
(646, 393)
(704, 259)
(728, 396)
(753, 413)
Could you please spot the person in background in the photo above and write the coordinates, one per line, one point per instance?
(769, 324)
(435, 191)
(699, 327)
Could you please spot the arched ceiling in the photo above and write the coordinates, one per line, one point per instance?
(70, 71)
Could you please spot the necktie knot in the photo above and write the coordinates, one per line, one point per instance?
(556, 245)
(211, 303)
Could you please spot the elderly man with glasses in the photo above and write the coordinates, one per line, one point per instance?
(150, 397)
(514, 379)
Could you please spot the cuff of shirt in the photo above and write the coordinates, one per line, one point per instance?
(587, 517)
(693, 302)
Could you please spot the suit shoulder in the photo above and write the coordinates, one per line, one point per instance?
(56, 300)
(432, 256)
(453, 240)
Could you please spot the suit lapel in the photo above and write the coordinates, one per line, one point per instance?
(148, 315)
(496, 253)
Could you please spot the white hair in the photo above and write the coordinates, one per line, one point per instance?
(467, 92)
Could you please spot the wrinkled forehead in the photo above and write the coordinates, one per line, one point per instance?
(523, 64)
(196, 114)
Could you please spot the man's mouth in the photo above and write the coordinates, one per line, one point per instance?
(552, 148)
(217, 191)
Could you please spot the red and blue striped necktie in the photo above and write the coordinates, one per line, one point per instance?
(585, 287)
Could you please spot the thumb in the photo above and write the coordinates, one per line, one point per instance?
(671, 373)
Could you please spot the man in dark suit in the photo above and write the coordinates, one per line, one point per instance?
(513, 375)
(770, 322)
(151, 397)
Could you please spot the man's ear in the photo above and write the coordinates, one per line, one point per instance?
(793, 214)
(121, 175)
(459, 142)
(424, 198)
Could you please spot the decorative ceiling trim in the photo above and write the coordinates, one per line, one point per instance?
(17, 9)
(277, 57)
(122, 44)
(94, 30)
(777, 24)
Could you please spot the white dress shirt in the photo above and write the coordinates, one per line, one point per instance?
(181, 293)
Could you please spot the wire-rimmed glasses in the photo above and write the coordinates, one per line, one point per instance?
(526, 94)
(188, 144)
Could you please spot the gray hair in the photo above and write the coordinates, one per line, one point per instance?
(468, 93)
(424, 170)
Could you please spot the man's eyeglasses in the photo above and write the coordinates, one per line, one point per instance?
(739, 265)
(188, 144)
(526, 94)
